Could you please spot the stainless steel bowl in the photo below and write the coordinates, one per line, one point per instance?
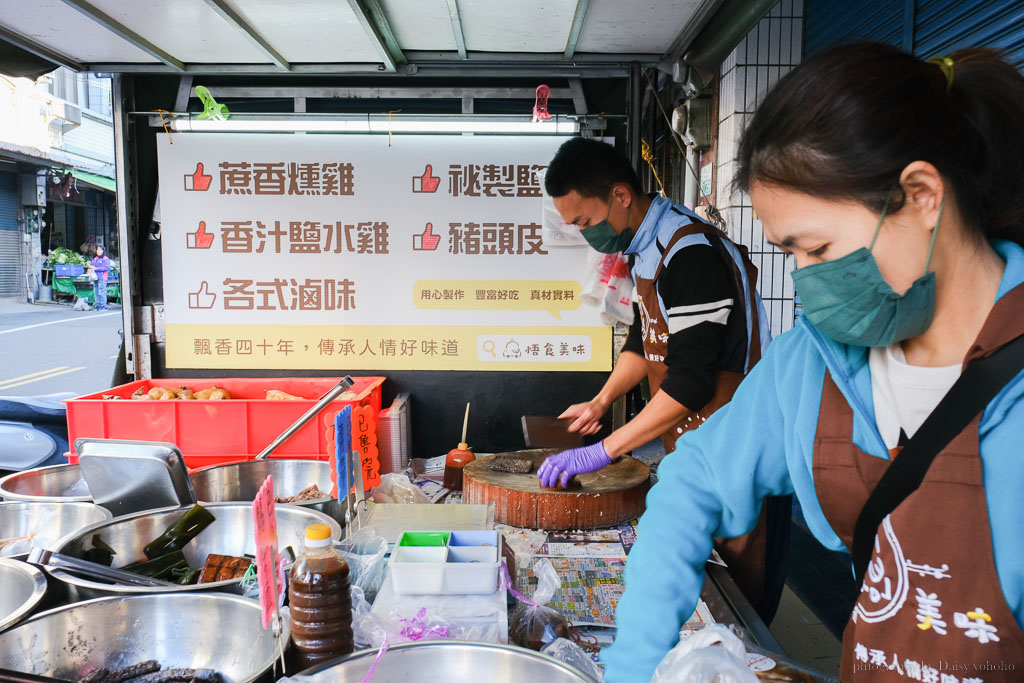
(23, 587)
(240, 481)
(47, 522)
(231, 534)
(455, 662)
(55, 484)
(215, 631)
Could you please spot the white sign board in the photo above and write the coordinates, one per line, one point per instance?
(340, 251)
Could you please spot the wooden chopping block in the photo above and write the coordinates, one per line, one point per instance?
(610, 496)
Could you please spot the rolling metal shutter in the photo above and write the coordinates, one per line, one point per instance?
(941, 26)
(10, 246)
(925, 27)
(829, 22)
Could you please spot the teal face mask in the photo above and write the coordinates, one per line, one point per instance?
(849, 300)
(602, 237)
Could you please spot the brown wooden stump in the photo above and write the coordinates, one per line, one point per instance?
(610, 496)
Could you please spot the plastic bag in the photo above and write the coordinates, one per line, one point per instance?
(713, 654)
(396, 488)
(609, 287)
(410, 618)
(534, 624)
(364, 552)
(564, 650)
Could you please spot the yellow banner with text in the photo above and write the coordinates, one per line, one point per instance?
(391, 347)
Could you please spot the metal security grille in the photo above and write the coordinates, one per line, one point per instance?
(10, 247)
(924, 27)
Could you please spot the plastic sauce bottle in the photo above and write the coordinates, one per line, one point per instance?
(457, 459)
(320, 604)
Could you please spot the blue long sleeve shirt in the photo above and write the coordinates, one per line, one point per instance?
(761, 444)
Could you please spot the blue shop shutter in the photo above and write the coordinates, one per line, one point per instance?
(925, 27)
(830, 22)
(8, 201)
(941, 26)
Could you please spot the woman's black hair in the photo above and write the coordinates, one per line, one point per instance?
(846, 122)
(589, 167)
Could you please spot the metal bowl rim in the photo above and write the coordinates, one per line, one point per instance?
(73, 503)
(69, 503)
(225, 465)
(23, 498)
(372, 652)
(38, 590)
(124, 590)
(285, 632)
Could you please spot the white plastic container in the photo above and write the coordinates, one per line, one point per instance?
(471, 570)
(416, 570)
(467, 563)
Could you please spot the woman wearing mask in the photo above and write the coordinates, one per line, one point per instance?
(898, 187)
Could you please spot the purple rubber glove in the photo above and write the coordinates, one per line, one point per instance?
(563, 466)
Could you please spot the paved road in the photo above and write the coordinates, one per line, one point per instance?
(46, 349)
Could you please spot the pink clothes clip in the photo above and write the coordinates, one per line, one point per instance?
(540, 106)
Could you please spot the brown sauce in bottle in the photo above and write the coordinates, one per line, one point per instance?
(320, 607)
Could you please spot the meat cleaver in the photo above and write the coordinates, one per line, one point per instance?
(549, 432)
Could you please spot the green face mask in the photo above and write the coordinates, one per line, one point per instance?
(602, 237)
(849, 300)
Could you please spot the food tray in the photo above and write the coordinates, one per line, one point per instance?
(448, 563)
(217, 432)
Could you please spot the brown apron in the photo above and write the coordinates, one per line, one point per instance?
(745, 555)
(931, 607)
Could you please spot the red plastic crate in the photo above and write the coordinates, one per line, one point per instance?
(216, 432)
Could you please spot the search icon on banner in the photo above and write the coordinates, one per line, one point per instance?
(488, 347)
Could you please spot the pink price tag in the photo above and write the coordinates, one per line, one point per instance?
(267, 560)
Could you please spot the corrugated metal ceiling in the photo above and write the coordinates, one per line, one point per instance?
(192, 35)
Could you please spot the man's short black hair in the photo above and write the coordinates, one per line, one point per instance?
(590, 168)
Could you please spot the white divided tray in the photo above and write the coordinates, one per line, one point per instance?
(446, 562)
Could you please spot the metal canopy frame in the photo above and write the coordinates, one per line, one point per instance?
(577, 28)
(301, 94)
(248, 32)
(373, 19)
(460, 37)
(39, 50)
(375, 24)
(122, 31)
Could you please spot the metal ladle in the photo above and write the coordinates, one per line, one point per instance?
(336, 390)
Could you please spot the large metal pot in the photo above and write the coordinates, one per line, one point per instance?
(23, 587)
(55, 484)
(231, 534)
(452, 661)
(204, 630)
(240, 481)
(46, 522)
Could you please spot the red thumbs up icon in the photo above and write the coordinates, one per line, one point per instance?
(197, 182)
(203, 298)
(427, 182)
(200, 239)
(427, 240)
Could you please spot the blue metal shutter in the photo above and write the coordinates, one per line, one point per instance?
(926, 27)
(830, 22)
(10, 246)
(941, 26)
(8, 201)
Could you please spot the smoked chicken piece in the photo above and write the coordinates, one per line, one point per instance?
(223, 567)
(277, 395)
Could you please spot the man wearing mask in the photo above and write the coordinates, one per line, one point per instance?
(699, 328)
